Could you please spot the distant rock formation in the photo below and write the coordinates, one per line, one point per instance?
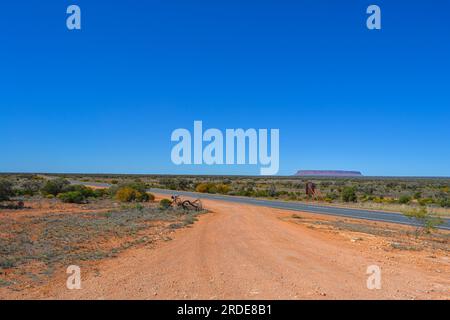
(328, 173)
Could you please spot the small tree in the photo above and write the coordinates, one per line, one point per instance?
(349, 194)
(72, 197)
(6, 190)
(404, 199)
(427, 222)
(29, 187)
(55, 186)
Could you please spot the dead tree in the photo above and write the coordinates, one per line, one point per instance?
(187, 204)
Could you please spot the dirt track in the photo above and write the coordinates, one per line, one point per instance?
(247, 252)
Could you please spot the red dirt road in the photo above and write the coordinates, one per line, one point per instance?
(248, 252)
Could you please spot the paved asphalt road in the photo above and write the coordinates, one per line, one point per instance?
(296, 206)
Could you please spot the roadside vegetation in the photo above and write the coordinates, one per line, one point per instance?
(32, 247)
(392, 194)
(19, 188)
(427, 221)
(58, 223)
(394, 237)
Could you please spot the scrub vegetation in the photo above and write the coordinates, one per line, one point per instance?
(392, 194)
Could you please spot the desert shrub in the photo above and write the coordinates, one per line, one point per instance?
(368, 197)
(55, 186)
(85, 191)
(223, 188)
(206, 188)
(114, 181)
(389, 200)
(417, 195)
(426, 220)
(6, 190)
(245, 192)
(378, 199)
(404, 199)
(332, 196)
(167, 183)
(182, 184)
(349, 194)
(151, 196)
(445, 203)
(202, 187)
(126, 194)
(72, 197)
(165, 203)
(425, 201)
(261, 193)
(100, 193)
(142, 197)
(111, 191)
(212, 188)
(136, 185)
(29, 187)
(129, 194)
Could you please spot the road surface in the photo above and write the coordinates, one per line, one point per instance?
(373, 215)
(381, 216)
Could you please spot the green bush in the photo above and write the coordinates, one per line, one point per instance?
(30, 187)
(349, 194)
(210, 188)
(55, 186)
(165, 203)
(72, 197)
(262, 193)
(100, 193)
(404, 199)
(142, 197)
(6, 190)
(425, 201)
(417, 195)
(331, 196)
(139, 186)
(85, 191)
(445, 203)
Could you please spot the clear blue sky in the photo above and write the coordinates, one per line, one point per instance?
(106, 98)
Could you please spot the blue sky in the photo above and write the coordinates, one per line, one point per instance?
(107, 98)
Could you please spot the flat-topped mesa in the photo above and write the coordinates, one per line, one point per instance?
(328, 173)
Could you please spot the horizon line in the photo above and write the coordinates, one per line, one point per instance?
(217, 175)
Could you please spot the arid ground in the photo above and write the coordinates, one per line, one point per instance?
(247, 252)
